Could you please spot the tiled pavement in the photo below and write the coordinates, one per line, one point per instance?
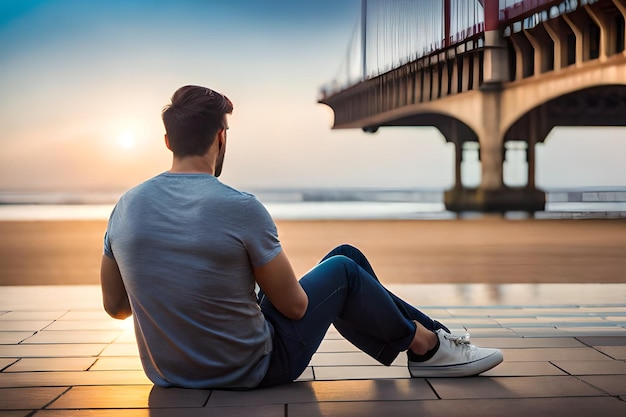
(564, 355)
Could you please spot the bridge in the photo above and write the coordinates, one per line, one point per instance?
(493, 76)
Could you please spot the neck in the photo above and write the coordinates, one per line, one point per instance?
(192, 164)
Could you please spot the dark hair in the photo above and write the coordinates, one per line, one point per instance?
(193, 119)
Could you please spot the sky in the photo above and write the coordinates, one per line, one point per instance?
(82, 85)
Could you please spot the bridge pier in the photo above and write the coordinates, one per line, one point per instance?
(492, 195)
(494, 201)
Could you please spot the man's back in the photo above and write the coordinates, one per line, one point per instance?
(185, 245)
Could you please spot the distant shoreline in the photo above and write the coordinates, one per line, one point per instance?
(313, 194)
(326, 204)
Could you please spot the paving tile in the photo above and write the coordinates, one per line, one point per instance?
(303, 392)
(591, 326)
(344, 358)
(527, 342)
(438, 313)
(482, 329)
(371, 390)
(548, 331)
(326, 373)
(507, 321)
(552, 310)
(121, 349)
(47, 351)
(612, 384)
(524, 369)
(337, 345)
(574, 320)
(96, 314)
(607, 309)
(28, 398)
(592, 367)
(24, 325)
(130, 396)
(553, 407)
(333, 335)
(307, 374)
(103, 413)
(13, 338)
(616, 352)
(21, 413)
(457, 330)
(4, 362)
(127, 336)
(490, 332)
(51, 364)
(117, 363)
(515, 326)
(518, 321)
(71, 336)
(55, 379)
(603, 340)
(594, 331)
(110, 324)
(32, 315)
(473, 321)
(277, 410)
(518, 387)
(482, 312)
(550, 354)
(292, 393)
(356, 358)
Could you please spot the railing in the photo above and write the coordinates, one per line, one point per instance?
(519, 15)
(393, 33)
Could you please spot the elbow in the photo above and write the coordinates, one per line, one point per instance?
(118, 312)
(298, 310)
(120, 315)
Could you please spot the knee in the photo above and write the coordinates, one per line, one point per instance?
(345, 271)
(345, 249)
(340, 263)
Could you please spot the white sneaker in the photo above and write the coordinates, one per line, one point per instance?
(456, 356)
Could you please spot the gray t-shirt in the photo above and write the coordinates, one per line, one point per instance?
(185, 245)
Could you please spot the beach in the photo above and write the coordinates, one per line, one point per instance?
(489, 249)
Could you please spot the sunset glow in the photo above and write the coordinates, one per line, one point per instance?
(126, 140)
(84, 84)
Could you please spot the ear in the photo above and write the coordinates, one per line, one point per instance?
(167, 142)
(221, 138)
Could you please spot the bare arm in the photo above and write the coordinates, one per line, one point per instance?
(114, 296)
(279, 283)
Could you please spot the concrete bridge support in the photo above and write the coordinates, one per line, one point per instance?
(492, 194)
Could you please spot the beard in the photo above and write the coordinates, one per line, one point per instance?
(219, 163)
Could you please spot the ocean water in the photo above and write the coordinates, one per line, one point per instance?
(323, 204)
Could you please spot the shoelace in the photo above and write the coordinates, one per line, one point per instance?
(458, 340)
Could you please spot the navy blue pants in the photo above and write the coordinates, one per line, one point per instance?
(343, 290)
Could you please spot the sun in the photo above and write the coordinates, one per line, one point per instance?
(126, 140)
